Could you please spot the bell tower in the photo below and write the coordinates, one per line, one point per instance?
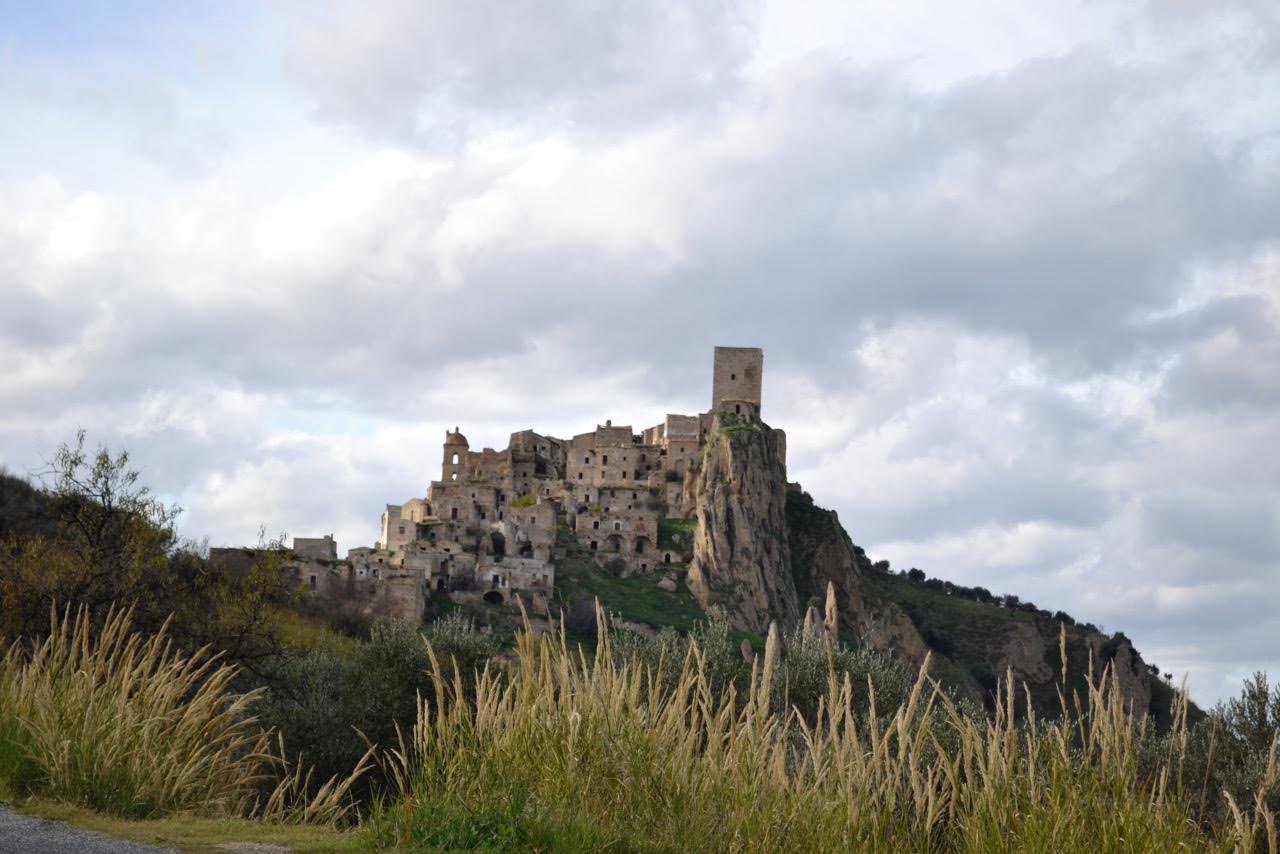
(455, 456)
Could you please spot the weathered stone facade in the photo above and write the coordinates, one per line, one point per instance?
(737, 376)
(488, 527)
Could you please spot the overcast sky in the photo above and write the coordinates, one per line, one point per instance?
(1016, 271)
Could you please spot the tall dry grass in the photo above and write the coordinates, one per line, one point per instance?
(566, 753)
(129, 725)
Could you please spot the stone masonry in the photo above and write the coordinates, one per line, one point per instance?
(488, 528)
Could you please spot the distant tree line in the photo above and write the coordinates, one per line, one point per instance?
(982, 595)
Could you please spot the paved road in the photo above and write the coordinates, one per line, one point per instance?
(22, 834)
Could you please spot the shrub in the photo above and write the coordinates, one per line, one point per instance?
(330, 707)
(127, 725)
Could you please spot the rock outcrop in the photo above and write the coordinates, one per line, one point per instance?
(823, 558)
(764, 552)
(1130, 670)
(741, 563)
(1023, 655)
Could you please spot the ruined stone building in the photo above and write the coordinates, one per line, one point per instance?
(495, 522)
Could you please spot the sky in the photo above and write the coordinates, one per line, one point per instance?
(1015, 267)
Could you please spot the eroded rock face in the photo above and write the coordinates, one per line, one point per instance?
(824, 563)
(762, 553)
(741, 562)
(1135, 683)
(1023, 653)
(1130, 670)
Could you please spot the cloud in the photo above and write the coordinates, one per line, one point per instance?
(434, 73)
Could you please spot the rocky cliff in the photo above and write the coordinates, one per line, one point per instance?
(824, 558)
(763, 551)
(741, 563)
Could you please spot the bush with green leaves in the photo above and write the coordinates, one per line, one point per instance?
(1229, 751)
(327, 706)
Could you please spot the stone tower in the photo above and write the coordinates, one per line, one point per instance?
(736, 375)
(455, 455)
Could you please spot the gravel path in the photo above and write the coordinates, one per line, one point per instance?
(22, 834)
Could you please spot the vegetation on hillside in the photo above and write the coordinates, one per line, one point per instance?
(558, 752)
(96, 538)
(638, 598)
(967, 627)
(636, 723)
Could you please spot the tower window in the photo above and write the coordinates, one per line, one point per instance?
(454, 461)
(605, 459)
(733, 376)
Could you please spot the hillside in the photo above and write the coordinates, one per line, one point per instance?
(973, 643)
(764, 552)
(974, 637)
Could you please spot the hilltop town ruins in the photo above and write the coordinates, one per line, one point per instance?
(753, 549)
(495, 522)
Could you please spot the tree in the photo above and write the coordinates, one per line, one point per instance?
(1254, 716)
(110, 540)
(107, 541)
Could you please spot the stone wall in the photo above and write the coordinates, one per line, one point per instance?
(318, 548)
